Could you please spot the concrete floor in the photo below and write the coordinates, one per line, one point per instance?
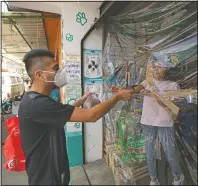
(91, 173)
(96, 172)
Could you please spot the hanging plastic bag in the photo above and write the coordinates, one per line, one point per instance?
(12, 123)
(15, 159)
(93, 98)
(91, 101)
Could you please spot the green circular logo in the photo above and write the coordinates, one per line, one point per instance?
(77, 125)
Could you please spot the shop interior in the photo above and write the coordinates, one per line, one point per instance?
(130, 37)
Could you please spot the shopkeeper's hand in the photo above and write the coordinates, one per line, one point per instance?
(124, 95)
(145, 92)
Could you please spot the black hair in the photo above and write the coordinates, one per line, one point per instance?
(35, 58)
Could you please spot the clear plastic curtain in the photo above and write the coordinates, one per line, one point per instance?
(168, 32)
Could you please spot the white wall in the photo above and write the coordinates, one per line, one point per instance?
(94, 40)
(94, 131)
(71, 26)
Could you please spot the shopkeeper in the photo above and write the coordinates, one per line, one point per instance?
(156, 121)
(42, 120)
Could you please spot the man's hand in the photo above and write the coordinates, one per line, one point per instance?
(114, 88)
(99, 110)
(134, 90)
(123, 95)
(85, 96)
(81, 101)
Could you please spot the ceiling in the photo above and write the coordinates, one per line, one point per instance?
(20, 35)
(49, 6)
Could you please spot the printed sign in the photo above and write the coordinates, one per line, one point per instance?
(74, 127)
(93, 72)
(92, 63)
(72, 58)
(72, 63)
(72, 91)
(73, 72)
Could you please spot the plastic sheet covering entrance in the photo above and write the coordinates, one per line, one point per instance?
(145, 33)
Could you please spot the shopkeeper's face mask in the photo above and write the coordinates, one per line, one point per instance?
(59, 78)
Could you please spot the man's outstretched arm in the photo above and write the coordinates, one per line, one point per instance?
(134, 90)
(98, 111)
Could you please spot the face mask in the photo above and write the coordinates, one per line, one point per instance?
(60, 78)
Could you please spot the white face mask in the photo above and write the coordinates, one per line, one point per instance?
(60, 78)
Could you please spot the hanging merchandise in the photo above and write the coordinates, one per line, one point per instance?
(143, 38)
(93, 99)
(186, 137)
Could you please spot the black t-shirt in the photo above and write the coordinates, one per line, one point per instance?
(43, 139)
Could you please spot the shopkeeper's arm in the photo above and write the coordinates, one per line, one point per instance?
(81, 101)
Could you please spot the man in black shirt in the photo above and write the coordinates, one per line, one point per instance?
(42, 120)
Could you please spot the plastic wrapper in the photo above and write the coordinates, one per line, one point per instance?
(91, 101)
(115, 159)
(123, 177)
(137, 39)
(134, 159)
(186, 138)
(108, 149)
(116, 156)
(129, 176)
(136, 144)
(109, 137)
